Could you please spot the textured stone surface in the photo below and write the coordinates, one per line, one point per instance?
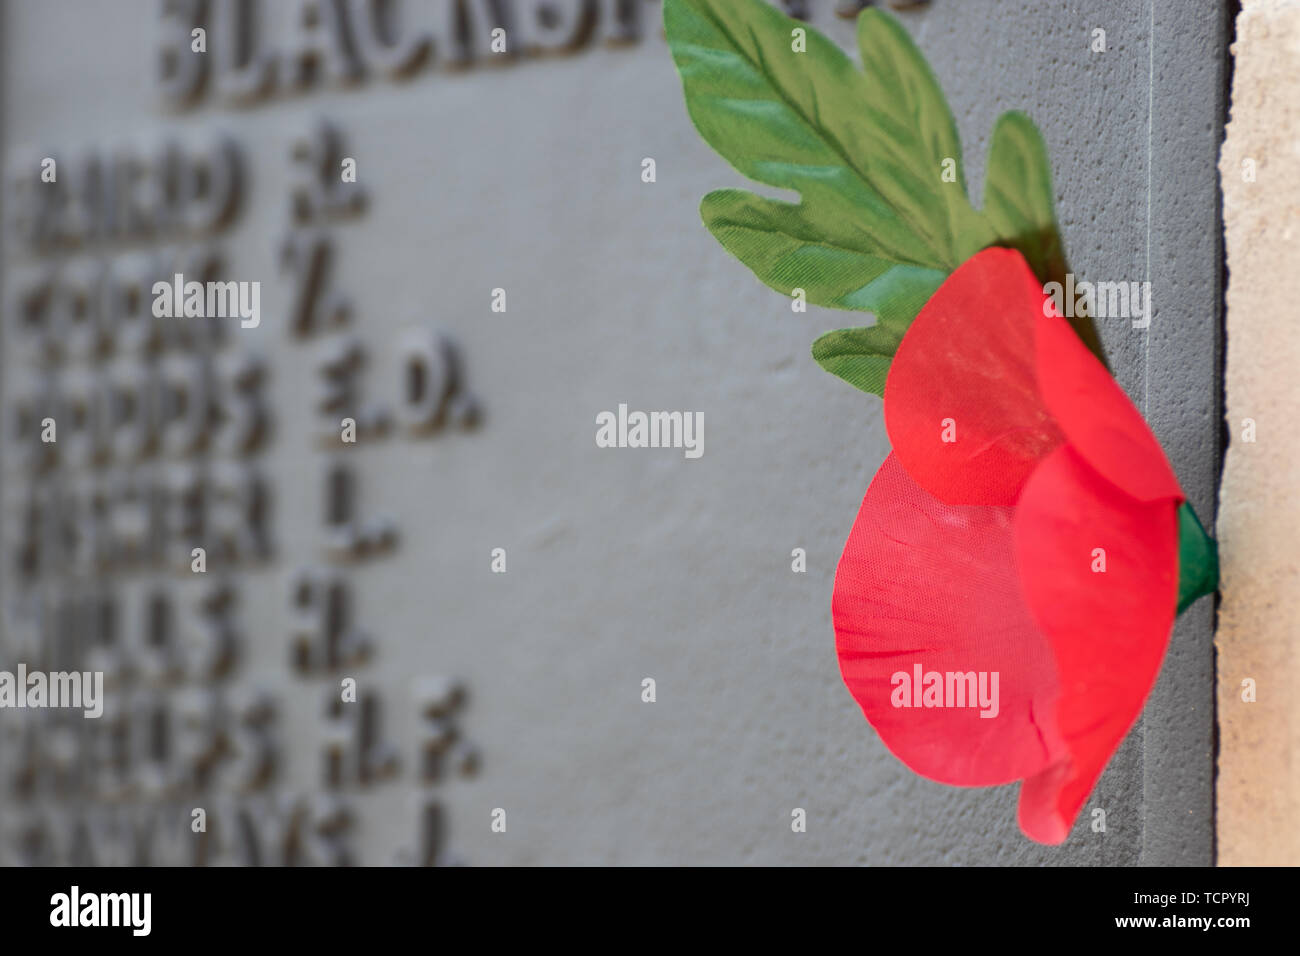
(1259, 773)
(624, 565)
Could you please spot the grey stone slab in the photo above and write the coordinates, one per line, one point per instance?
(630, 565)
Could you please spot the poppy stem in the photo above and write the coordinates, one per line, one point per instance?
(1198, 559)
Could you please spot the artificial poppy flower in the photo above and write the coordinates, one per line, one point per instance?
(1006, 595)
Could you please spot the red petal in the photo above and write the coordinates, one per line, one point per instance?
(1097, 417)
(969, 356)
(922, 582)
(1107, 630)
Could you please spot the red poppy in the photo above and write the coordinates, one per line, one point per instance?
(1018, 547)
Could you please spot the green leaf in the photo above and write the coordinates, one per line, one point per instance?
(1198, 559)
(786, 251)
(1018, 200)
(859, 356)
(911, 116)
(871, 194)
(876, 228)
(1020, 206)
